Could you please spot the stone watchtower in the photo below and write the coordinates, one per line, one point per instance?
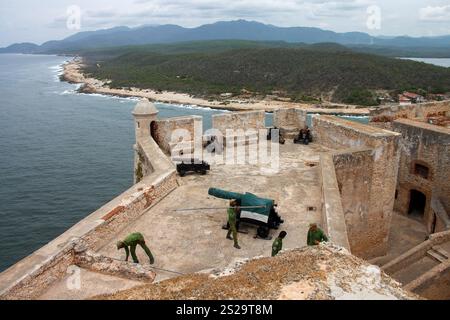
(144, 114)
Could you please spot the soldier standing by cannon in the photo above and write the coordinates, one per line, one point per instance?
(233, 212)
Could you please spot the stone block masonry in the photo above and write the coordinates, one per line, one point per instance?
(333, 218)
(368, 229)
(427, 147)
(162, 131)
(239, 120)
(290, 121)
(354, 179)
(33, 275)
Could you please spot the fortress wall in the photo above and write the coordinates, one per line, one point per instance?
(290, 118)
(239, 120)
(149, 158)
(354, 179)
(427, 145)
(333, 219)
(372, 229)
(29, 278)
(421, 110)
(162, 130)
(131, 208)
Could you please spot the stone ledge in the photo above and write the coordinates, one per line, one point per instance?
(332, 212)
(24, 276)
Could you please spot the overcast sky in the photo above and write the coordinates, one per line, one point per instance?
(40, 21)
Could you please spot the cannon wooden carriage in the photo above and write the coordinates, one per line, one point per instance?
(192, 165)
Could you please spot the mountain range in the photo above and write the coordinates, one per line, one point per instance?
(238, 30)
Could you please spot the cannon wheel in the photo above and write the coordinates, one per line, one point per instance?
(263, 232)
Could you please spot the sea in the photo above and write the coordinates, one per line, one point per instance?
(442, 62)
(62, 154)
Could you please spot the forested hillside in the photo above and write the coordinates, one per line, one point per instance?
(211, 68)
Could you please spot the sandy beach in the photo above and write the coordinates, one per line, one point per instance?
(73, 74)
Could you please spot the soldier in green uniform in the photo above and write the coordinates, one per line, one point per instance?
(132, 241)
(232, 214)
(278, 243)
(315, 235)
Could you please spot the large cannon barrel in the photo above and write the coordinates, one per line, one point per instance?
(246, 200)
(256, 210)
(222, 194)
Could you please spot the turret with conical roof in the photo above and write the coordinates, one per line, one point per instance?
(144, 114)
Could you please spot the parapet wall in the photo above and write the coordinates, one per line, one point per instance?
(333, 218)
(354, 178)
(370, 226)
(239, 120)
(421, 110)
(163, 130)
(290, 118)
(30, 277)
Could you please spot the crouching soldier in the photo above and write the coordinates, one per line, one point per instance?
(278, 243)
(315, 235)
(132, 241)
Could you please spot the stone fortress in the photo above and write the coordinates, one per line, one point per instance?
(380, 191)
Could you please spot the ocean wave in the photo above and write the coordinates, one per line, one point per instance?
(58, 71)
(189, 106)
(98, 95)
(353, 117)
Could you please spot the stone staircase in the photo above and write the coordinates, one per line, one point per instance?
(425, 269)
(438, 253)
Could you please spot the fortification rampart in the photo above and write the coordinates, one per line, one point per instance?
(170, 132)
(424, 167)
(33, 275)
(387, 114)
(368, 229)
(333, 218)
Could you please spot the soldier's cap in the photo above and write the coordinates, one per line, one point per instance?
(119, 244)
(313, 224)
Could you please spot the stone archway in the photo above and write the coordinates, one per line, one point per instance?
(417, 204)
(153, 128)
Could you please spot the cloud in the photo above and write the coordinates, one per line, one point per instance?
(435, 14)
(196, 12)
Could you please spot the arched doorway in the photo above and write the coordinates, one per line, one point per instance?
(153, 128)
(417, 203)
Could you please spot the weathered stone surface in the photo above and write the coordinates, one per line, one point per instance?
(322, 272)
(368, 226)
(429, 146)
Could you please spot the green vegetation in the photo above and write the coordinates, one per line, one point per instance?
(361, 97)
(303, 72)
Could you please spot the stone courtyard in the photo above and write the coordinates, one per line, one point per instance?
(192, 241)
(345, 181)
